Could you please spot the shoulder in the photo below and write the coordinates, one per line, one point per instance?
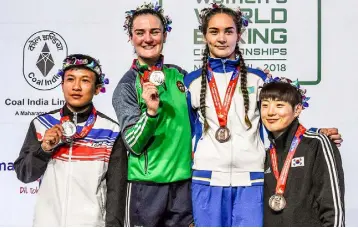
(178, 68)
(107, 118)
(317, 140)
(129, 77)
(191, 77)
(256, 73)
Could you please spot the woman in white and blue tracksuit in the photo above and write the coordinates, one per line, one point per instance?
(227, 182)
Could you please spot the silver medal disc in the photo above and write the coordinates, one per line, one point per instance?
(157, 78)
(222, 134)
(69, 129)
(277, 202)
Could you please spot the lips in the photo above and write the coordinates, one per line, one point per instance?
(148, 47)
(271, 120)
(221, 47)
(76, 96)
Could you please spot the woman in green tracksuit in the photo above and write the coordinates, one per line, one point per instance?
(150, 103)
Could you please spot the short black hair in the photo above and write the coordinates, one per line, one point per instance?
(281, 91)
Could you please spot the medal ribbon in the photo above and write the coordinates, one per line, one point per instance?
(222, 110)
(88, 125)
(145, 75)
(282, 178)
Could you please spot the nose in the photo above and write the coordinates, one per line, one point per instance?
(221, 37)
(271, 110)
(77, 85)
(148, 37)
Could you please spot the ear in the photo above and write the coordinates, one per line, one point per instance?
(298, 110)
(97, 90)
(130, 39)
(238, 37)
(165, 37)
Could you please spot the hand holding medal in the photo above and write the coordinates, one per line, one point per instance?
(151, 97)
(52, 138)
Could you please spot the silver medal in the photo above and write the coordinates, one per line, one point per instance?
(277, 202)
(157, 78)
(69, 130)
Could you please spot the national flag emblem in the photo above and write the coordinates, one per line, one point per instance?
(300, 161)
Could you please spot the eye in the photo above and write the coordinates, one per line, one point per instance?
(279, 105)
(69, 79)
(138, 33)
(229, 32)
(213, 32)
(156, 32)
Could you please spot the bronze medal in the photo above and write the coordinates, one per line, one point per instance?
(222, 134)
(277, 202)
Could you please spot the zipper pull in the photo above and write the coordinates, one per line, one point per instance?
(75, 118)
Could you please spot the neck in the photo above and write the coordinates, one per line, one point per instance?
(78, 109)
(278, 133)
(148, 61)
(231, 57)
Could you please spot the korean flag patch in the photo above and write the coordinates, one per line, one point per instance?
(300, 161)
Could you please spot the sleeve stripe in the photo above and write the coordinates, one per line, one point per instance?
(329, 158)
(131, 133)
(139, 134)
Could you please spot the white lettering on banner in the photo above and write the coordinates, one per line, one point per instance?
(270, 40)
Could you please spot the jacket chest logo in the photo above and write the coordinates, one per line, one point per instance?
(299, 161)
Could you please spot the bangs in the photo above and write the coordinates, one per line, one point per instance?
(282, 92)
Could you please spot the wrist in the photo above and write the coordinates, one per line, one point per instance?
(151, 113)
(47, 150)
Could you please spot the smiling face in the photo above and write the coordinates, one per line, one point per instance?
(79, 87)
(148, 38)
(222, 36)
(277, 115)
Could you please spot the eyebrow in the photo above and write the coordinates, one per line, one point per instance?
(214, 28)
(152, 29)
(82, 76)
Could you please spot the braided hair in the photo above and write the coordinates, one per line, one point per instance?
(206, 15)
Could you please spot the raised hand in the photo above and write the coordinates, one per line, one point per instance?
(151, 97)
(52, 137)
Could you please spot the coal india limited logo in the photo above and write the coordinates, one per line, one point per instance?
(43, 54)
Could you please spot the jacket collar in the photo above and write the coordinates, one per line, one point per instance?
(283, 142)
(81, 116)
(219, 65)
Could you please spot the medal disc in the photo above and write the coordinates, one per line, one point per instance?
(222, 134)
(157, 78)
(69, 129)
(277, 202)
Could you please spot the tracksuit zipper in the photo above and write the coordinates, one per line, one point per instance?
(68, 174)
(223, 61)
(145, 162)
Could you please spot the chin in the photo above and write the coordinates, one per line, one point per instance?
(222, 55)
